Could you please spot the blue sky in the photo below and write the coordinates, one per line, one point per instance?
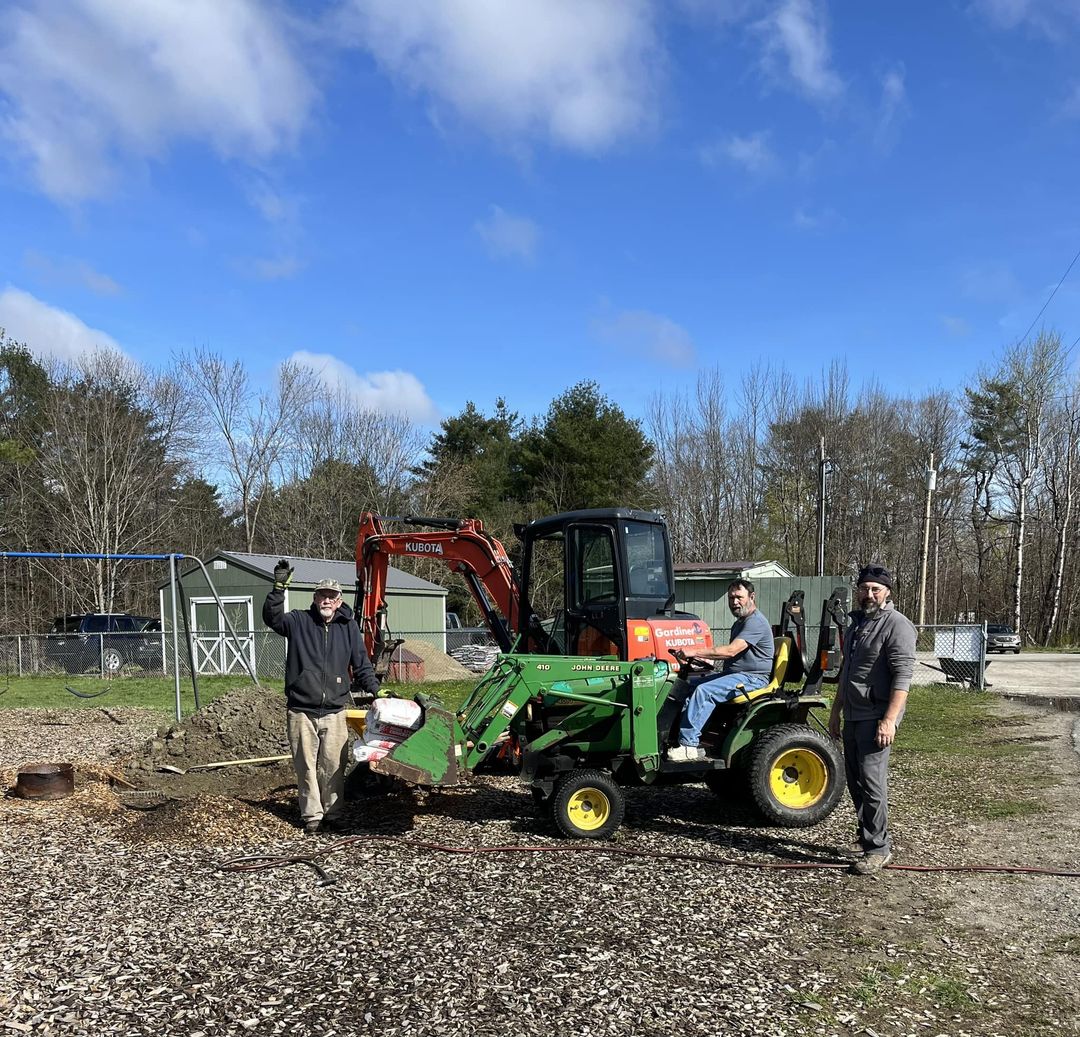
(438, 202)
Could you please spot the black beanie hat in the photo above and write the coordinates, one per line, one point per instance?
(875, 574)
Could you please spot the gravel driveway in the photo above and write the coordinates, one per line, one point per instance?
(120, 921)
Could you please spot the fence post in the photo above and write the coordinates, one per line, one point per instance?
(18, 651)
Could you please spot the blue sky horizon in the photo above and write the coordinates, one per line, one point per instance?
(461, 200)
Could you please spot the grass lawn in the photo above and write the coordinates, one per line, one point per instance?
(158, 692)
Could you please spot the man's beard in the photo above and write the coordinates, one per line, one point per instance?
(870, 607)
(737, 609)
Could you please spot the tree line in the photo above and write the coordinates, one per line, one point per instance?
(105, 455)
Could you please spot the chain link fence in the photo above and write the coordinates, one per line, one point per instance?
(423, 655)
(951, 654)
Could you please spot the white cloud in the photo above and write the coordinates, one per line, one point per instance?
(508, 236)
(796, 37)
(648, 334)
(1071, 108)
(47, 331)
(389, 392)
(812, 221)
(71, 271)
(1052, 18)
(92, 83)
(582, 73)
(753, 152)
(956, 326)
(280, 268)
(893, 110)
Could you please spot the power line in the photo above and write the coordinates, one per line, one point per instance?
(1048, 301)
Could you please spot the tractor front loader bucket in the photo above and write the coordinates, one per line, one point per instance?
(446, 747)
(431, 754)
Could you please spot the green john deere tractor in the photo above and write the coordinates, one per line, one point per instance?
(582, 727)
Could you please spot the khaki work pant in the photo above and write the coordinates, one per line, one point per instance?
(320, 748)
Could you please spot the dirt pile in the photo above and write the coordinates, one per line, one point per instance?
(438, 666)
(244, 723)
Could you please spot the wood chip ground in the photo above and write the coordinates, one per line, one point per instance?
(115, 918)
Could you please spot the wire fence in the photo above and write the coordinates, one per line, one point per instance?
(423, 655)
(952, 654)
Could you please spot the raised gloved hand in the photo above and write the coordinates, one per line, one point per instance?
(282, 574)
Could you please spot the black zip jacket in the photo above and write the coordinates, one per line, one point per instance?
(319, 655)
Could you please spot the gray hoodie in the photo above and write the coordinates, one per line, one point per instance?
(879, 657)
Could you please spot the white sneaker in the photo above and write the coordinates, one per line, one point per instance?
(685, 753)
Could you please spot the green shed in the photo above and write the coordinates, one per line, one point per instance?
(701, 588)
(242, 581)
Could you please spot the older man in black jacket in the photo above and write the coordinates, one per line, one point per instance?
(324, 659)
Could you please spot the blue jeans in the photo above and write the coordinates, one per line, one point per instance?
(708, 694)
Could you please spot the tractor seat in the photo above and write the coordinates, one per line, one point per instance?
(782, 651)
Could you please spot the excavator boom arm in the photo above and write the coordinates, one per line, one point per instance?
(462, 545)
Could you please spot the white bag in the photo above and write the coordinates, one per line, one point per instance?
(362, 753)
(394, 713)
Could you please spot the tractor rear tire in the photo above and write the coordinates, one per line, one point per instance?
(796, 775)
(588, 804)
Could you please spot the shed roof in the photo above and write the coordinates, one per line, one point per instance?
(308, 571)
(727, 568)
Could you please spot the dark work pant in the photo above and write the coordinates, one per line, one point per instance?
(867, 769)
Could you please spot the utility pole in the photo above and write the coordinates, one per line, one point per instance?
(931, 485)
(824, 466)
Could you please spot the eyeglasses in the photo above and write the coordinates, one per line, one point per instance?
(326, 596)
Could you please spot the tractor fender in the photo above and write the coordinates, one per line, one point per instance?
(765, 713)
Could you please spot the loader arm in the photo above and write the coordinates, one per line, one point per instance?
(462, 545)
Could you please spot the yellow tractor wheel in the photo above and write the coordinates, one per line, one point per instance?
(796, 775)
(587, 804)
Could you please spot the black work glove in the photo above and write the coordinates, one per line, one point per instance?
(282, 574)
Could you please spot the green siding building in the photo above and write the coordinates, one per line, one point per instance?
(701, 589)
(242, 581)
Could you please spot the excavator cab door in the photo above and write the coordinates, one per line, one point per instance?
(595, 610)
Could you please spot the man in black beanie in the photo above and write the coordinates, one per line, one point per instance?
(879, 658)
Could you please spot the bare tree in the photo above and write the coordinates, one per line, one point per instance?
(252, 430)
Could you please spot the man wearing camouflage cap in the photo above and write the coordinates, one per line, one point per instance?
(324, 659)
(872, 691)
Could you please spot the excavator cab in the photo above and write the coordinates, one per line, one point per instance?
(599, 582)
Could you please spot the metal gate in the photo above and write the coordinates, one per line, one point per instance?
(216, 654)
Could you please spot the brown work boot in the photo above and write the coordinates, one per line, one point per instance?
(871, 863)
(854, 850)
(312, 827)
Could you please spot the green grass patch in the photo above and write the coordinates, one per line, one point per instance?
(938, 720)
(158, 693)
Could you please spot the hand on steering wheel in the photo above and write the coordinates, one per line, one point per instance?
(689, 664)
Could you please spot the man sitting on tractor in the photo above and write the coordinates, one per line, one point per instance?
(748, 663)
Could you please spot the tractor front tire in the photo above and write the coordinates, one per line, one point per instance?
(588, 804)
(796, 775)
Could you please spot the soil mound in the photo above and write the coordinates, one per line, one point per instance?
(244, 723)
(438, 666)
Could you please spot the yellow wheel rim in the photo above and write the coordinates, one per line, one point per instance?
(588, 809)
(798, 778)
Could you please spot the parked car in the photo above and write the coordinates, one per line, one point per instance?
(1000, 638)
(105, 642)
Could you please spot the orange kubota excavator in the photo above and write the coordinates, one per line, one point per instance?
(605, 574)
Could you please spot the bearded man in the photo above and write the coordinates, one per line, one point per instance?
(872, 691)
(748, 663)
(324, 660)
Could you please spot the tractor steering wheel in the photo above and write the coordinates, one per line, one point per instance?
(691, 664)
